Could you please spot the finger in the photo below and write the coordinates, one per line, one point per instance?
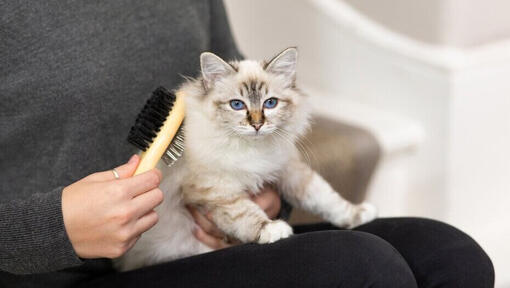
(124, 171)
(146, 202)
(262, 201)
(273, 211)
(270, 205)
(131, 243)
(142, 183)
(206, 224)
(269, 201)
(265, 197)
(146, 222)
(210, 241)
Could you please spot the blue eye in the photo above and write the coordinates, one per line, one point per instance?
(270, 103)
(237, 104)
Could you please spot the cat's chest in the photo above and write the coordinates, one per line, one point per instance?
(242, 162)
(257, 162)
(250, 169)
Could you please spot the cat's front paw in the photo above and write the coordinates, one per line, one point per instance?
(274, 231)
(365, 212)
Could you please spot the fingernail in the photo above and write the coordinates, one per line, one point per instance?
(132, 159)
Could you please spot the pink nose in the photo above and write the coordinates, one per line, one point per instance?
(257, 126)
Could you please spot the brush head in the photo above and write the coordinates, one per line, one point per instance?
(151, 118)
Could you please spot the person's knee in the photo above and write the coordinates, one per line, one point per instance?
(382, 261)
(359, 259)
(438, 253)
(466, 263)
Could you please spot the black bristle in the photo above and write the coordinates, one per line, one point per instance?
(151, 118)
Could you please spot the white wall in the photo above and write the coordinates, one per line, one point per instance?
(479, 160)
(339, 66)
(361, 72)
(459, 23)
(419, 19)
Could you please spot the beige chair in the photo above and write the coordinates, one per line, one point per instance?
(346, 156)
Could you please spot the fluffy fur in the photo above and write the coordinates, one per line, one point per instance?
(231, 153)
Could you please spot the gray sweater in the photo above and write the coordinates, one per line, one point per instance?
(73, 76)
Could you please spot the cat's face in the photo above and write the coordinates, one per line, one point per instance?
(253, 99)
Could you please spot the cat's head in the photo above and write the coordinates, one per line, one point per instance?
(254, 99)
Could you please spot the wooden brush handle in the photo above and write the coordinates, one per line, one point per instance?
(153, 154)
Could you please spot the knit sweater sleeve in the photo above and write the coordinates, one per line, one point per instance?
(33, 238)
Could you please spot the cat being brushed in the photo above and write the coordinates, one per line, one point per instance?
(243, 119)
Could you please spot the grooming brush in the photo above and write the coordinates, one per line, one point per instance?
(158, 130)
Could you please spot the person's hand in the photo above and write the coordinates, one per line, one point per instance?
(104, 216)
(207, 232)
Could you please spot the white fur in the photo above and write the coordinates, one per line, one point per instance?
(206, 147)
(275, 231)
(229, 159)
(171, 237)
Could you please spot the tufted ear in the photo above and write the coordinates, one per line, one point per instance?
(213, 68)
(284, 64)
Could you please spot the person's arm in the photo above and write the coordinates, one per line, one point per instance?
(33, 237)
(98, 216)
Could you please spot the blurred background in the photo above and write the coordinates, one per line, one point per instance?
(428, 81)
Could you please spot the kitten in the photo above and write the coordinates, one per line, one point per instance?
(242, 121)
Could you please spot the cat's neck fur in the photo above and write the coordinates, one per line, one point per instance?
(254, 160)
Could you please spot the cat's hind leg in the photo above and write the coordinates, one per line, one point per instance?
(305, 188)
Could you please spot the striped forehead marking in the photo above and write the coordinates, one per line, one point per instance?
(253, 89)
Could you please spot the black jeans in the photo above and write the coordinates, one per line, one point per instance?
(391, 252)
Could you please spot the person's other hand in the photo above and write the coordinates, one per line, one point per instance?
(207, 232)
(104, 216)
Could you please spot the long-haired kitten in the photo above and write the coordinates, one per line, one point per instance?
(242, 121)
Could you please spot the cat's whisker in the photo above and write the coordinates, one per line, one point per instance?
(301, 147)
(290, 139)
(306, 147)
(286, 137)
(306, 151)
(275, 137)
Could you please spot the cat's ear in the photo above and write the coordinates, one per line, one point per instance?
(213, 68)
(284, 64)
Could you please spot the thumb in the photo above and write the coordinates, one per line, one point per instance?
(124, 171)
(128, 169)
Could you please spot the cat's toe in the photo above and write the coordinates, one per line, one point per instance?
(366, 213)
(274, 231)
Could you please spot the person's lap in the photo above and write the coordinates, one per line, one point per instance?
(391, 252)
(439, 254)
